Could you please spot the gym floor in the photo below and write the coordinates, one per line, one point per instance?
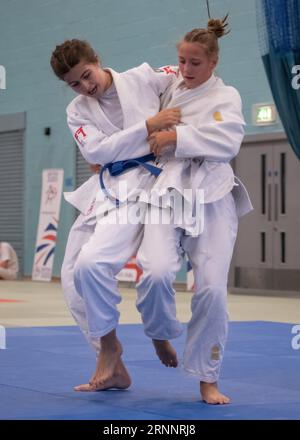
(47, 355)
(29, 304)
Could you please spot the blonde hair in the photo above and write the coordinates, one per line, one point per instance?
(208, 37)
(70, 53)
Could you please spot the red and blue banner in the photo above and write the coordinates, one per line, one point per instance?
(48, 224)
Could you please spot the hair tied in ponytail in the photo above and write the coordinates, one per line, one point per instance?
(218, 27)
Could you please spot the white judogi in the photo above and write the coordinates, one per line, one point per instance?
(100, 253)
(101, 142)
(211, 132)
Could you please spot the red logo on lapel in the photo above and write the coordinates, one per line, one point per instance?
(80, 135)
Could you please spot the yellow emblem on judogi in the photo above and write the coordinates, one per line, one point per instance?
(217, 116)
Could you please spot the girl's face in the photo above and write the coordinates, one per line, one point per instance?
(195, 65)
(88, 79)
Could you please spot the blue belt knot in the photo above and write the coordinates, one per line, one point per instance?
(119, 167)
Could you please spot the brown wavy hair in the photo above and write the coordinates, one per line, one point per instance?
(66, 55)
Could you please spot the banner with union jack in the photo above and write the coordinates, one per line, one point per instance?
(52, 185)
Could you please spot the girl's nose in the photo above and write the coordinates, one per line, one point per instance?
(186, 68)
(85, 85)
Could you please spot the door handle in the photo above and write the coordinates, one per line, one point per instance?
(269, 202)
(276, 203)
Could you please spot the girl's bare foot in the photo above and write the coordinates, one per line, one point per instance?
(165, 352)
(110, 356)
(108, 359)
(120, 380)
(211, 394)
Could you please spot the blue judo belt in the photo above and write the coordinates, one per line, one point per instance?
(117, 168)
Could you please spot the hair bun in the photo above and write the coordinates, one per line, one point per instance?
(218, 26)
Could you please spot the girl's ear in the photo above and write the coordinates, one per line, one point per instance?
(215, 61)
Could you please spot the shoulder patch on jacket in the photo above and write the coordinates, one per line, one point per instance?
(167, 70)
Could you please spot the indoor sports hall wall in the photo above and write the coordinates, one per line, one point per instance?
(125, 33)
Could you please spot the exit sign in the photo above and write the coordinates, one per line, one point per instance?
(264, 114)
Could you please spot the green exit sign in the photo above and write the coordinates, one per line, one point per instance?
(264, 114)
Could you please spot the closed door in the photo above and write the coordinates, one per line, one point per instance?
(267, 252)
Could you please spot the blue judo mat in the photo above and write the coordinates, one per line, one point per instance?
(40, 366)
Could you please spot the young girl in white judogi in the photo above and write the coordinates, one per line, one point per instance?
(195, 155)
(110, 120)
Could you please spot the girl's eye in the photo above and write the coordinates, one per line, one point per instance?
(87, 76)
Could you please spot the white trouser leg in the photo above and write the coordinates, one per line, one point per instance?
(160, 258)
(7, 274)
(210, 255)
(97, 265)
(78, 236)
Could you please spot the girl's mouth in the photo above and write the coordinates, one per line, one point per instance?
(93, 91)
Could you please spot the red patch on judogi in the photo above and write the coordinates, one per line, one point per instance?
(80, 134)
